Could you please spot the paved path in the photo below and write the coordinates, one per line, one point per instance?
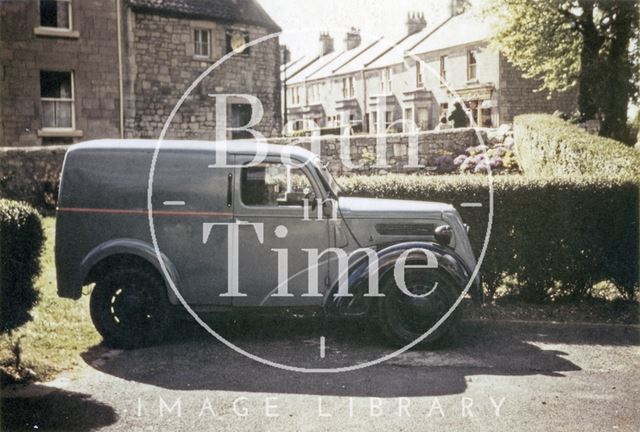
(507, 376)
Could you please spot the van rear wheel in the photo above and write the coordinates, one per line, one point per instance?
(403, 318)
(129, 308)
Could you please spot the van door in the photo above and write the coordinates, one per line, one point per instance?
(188, 196)
(270, 196)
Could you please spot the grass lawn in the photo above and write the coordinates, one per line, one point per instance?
(61, 329)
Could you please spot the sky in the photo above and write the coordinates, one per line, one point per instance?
(302, 20)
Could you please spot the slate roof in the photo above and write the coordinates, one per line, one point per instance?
(459, 30)
(243, 11)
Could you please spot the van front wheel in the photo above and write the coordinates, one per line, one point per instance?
(404, 318)
(129, 308)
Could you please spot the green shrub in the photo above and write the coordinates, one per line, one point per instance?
(549, 146)
(21, 243)
(555, 237)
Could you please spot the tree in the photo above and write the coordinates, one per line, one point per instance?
(591, 45)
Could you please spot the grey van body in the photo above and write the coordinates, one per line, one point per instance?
(102, 213)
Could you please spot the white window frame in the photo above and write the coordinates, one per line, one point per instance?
(73, 107)
(409, 123)
(69, 11)
(443, 67)
(198, 42)
(419, 77)
(388, 120)
(374, 122)
(472, 67)
(385, 80)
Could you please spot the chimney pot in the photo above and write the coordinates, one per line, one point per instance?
(326, 43)
(352, 38)
(415, 22)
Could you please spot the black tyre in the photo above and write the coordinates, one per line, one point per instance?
(129, 308)
(403, 318)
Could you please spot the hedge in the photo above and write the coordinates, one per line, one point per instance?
(555, 237)
(549, 146)
(21, 243)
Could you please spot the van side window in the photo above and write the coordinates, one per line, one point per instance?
(273, 184)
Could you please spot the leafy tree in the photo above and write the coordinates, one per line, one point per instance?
(589, 44)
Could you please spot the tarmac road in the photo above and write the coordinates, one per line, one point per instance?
(510, 376)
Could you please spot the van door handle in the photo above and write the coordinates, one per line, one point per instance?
(229, 195)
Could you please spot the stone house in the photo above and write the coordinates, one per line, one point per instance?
(411, 83)
(73, 70)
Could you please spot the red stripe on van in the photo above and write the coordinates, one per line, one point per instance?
(142, 212)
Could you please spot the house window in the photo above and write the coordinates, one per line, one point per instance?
(202, 43)
(313, 93)
(385, 80)
(423, 119)
(408, 125)
(347, 87)
(296, 96)
(471, 65)
(56, 96)
(55, 13)
(443, 68)
(374, 122)
(388, 120)
(444, 109)
(240, 117)
(419, 78)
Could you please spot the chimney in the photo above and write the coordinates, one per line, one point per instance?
(352, 39)
(458, 7)
(285, 54)
(326, 43)
(415, 22)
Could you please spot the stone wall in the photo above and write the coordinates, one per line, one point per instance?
(32, 173)
(162, 66)
(91, 56)
(519, 95)
(362, 150)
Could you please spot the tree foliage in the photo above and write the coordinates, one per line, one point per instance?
(591, 45)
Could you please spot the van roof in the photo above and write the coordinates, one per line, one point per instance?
(249, 147)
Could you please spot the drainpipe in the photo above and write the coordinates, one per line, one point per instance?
(365, 127)
(284, 84)
(120, 73)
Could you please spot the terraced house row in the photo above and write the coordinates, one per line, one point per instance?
(408, 84)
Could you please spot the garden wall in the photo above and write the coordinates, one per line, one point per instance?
(31, 173)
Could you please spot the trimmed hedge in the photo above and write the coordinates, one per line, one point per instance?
(557, 237)
(549, 146)
(21, 243)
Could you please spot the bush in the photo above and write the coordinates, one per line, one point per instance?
(555, 237)
(21, 243)
(549, 146)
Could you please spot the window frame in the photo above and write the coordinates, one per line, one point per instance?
(57, 28)
(385, 80)
(472, 68)
(269, 161)
(419, 76)
(443, 68)
(196, 41)
(51, 99)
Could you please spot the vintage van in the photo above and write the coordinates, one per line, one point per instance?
(265, 228)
